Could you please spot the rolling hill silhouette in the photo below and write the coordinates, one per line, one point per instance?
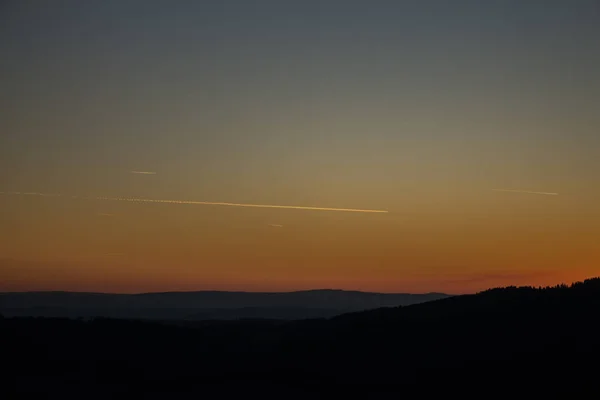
(509, 339)
(203, 305)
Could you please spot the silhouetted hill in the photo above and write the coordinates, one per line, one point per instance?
(526, 341)
(202, 305)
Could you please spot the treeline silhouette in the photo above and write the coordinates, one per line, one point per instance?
(513, 338)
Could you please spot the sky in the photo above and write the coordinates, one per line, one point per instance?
(447, 115)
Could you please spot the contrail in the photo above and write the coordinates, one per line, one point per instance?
(525, 191)
(276, 225)
(32, 194)
(143, 172)
(206, 203)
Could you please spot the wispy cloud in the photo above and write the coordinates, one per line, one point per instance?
(143, 172)
(525, 191)
(212, 203)
(276, 225)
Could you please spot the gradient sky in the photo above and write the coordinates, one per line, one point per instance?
(421, 108)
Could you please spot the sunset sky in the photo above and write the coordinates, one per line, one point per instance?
(420, 108)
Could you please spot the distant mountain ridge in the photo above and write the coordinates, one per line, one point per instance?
(319, 303)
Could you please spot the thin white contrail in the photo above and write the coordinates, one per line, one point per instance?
(525, 191)
(143, 172)
(32, 194)
(207, 203)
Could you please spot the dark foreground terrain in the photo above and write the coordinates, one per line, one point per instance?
(503, 342)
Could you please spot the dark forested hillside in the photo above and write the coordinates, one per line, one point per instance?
(509, 338)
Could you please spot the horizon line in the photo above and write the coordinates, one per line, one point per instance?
(225, 291)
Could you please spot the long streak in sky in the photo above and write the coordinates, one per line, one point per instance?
(208, 203)
(525, 191)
